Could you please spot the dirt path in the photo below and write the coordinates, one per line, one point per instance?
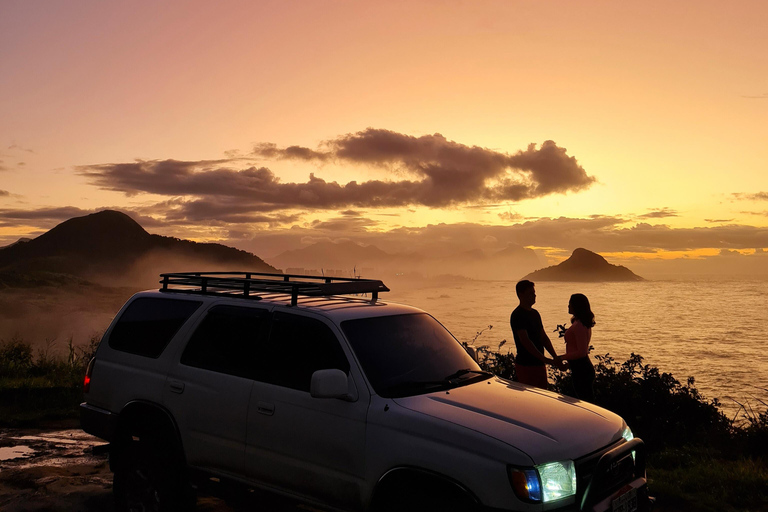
(53, 469)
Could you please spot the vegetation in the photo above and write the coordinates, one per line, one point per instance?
(699, 459)
(41, 386)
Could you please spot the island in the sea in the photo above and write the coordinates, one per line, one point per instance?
(584, 266)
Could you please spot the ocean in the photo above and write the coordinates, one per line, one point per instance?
(711, 330)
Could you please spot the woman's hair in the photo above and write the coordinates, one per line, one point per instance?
(581, 310)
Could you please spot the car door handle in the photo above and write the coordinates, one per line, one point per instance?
(176, 386)
(265, 408)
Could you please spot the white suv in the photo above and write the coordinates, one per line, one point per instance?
(282, 383)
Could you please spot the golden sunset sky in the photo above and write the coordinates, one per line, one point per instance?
(635, 129)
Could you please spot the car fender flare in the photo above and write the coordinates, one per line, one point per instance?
(412, 475)
(148, 416)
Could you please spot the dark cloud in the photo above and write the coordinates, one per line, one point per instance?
(718, 221)
(40, 217)
(600, 233)
(4, 193)
(270, 150)
(444, 173)
(181, 212)
(344, 224)
(763, 96)
(759, 196)
(660, 213)
(457, 172)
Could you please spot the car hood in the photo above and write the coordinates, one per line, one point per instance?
(544, 425)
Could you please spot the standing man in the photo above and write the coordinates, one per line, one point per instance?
(530, 339)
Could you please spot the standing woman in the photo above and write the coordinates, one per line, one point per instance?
(577, 339)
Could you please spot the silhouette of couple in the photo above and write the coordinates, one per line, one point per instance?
(531, 339)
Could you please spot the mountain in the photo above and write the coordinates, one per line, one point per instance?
(110, 247)
(508, 263)
(584, 266)
(342, 255)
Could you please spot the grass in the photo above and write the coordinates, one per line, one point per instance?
(38, 387)
(697, 480)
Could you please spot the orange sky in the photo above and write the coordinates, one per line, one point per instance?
(656, 112)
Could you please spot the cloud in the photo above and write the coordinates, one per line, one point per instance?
(40, 217)
(759, 196)
(344, 224)
(510, 217)
(270, 150)
(716, 221)
(442, 173)
(599, 233)
(457, 172)
(4, 193)
(265, 234)
(659, 213)
(763, 96)
(181, 212)
(16, 147)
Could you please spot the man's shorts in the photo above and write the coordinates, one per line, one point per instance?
(533, 375)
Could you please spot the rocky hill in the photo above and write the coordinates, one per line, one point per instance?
(110, 247)
(584, 266)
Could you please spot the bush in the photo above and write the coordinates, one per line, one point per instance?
(34, 388)
(658, 408)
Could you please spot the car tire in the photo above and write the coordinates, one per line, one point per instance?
(421, 494)
(149, 478)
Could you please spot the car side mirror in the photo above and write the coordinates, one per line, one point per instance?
(472, 351)
(330, 383)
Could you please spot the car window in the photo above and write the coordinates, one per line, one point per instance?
(399, 352)
(147, 325)
(298, 346)
(226, 341)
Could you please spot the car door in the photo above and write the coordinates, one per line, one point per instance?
(208, 389)
(309, 446)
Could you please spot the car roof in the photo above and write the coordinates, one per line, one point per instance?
(337, 308)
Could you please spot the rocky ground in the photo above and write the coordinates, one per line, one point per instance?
(53, 469)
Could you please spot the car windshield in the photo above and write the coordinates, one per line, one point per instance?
(405, 355)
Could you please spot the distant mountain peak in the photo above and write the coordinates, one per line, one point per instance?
(111, 244)
(584, 266)
(106, 226)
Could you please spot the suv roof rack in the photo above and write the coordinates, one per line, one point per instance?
(244, 283)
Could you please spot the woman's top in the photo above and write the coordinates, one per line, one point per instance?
(577, 339)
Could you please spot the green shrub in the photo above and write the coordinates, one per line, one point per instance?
(46, 386)
(658, 408)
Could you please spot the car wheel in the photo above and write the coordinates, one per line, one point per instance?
(423, 495)
(147, 478)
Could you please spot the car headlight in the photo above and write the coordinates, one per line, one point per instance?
(626, 433)
(545, 482)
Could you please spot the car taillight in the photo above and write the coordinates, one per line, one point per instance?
(87, 379)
